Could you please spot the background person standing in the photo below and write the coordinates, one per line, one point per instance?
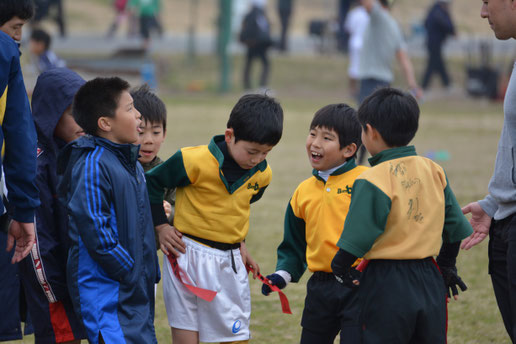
(383, 41)
(285, 13)
(355, 24)
(256, 36)
(439, 26)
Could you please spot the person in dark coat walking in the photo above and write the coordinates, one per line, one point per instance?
(285, 13)
(256, 36)
(439, 26)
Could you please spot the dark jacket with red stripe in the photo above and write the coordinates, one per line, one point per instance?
(52, 95)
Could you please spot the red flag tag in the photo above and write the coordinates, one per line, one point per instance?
(204, 294)
(285, 307)
(363, 264)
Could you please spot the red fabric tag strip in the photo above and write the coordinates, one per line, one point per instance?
(285, 307)
(363, 264)
(204, 294)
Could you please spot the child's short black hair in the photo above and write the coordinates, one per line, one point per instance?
(42, 36)
(23, 9)
(152, 108)
(257, 118)
(394, 113)
(343, 120)
(97, 98)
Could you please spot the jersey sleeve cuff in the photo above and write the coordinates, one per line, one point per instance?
(285, 275)
(158, 214)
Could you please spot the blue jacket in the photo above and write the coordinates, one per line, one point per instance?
(112, 262)
(17, 131)
(53, 94)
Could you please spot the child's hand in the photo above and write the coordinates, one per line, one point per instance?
(168, 208)
(350, 278)
(170, 240)
(276, 280)
(248, 260)
(342, 270)
(451, 281)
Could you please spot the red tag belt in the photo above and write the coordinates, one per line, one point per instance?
(204, 294)
(208, 295)
(362, 265)
(285, 307)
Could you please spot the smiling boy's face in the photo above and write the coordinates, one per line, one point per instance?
(323, 149)
(150, 139)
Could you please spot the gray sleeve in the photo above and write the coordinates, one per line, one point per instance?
(401, 40)
(509, 108)
(489, 205)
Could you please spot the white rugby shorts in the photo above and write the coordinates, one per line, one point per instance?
(224, 319)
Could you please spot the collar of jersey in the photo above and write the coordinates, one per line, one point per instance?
(348, 166)
(392, 153)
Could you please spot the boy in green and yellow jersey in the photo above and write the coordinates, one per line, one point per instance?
(313, 223)
(402, 214)
(216, 184)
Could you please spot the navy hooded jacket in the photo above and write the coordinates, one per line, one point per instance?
(112, 263)
(18, 134)
(53, 94)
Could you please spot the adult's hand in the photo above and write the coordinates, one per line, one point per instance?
(480, 222)
(23, 234)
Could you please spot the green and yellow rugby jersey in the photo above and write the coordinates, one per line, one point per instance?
(206, 206)
(402, 208)
(314, 220)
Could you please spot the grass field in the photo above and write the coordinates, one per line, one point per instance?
(468, 129)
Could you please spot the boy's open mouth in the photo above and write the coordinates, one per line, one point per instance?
(316, 156)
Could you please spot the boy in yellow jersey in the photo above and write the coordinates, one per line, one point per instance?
(402, 214)
(216, 183)
(313, 222)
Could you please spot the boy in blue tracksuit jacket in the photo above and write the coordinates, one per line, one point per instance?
(44, 271)
(112, 263)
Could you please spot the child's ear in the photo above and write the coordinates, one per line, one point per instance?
(104, 124)
(349, 150)
(228, 135)
(373, 132)
(369, 130)
(164, 133)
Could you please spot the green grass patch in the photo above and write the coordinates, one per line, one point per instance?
(468, 129)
